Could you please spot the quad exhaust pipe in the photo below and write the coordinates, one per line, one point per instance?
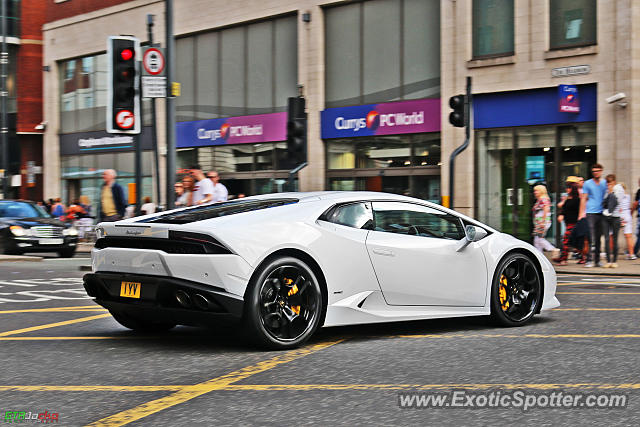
(200, 301)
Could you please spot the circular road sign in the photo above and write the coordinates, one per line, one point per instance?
(125, 119)
(153, 61)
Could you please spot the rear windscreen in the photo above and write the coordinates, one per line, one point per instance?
(216, 210)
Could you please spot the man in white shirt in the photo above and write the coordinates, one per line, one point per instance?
(203, 189)
(220, 192)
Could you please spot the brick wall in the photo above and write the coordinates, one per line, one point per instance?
(29, 79)
(69, 8)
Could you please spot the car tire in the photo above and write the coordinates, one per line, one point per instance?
(516, 290)
(283, 304)
(142, 325)
(67, 253)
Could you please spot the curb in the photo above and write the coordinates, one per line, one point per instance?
(590, 272)
(10, 258)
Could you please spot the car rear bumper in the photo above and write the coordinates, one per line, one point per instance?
(203, 305)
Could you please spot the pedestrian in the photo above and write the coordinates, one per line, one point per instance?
(112, 201)
(49, 205)
(148, 207)
(611, 211)
(178, 191)
(636, 208)
(626, 222)
(58, 210)
(570, 211)
(541, 218)
(84, 223)
(203, 189)
(186, 198)
(220, 192)
(593, 193)
(75, 211)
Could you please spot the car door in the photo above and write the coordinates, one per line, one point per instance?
(413, 251)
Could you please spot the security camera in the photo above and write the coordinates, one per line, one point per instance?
(617, 97)
(41, 126)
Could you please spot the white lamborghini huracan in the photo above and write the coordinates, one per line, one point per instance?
(286, 264)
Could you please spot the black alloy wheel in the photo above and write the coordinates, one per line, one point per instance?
(516, 291)
(284, 304)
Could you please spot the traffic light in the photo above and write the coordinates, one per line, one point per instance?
(296, 131)
(123, 98)
(457, 116)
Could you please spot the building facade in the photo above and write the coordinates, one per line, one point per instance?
(24, 98)
(377, 76)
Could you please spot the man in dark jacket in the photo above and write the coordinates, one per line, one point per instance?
(112, 202)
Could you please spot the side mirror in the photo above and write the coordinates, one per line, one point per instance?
(472, 234)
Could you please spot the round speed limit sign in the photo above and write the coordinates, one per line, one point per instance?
(153, 61)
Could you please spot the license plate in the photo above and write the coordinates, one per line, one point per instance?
(51, 241)
(130, 289)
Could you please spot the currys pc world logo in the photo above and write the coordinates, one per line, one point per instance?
(382, 119)
(226, 131)
(374, 120)
(232, 130)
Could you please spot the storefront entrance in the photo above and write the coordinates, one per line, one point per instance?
(510, 162)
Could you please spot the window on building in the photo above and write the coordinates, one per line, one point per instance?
(493, 28)
(572, 23)
(243, 70)
(382, 50)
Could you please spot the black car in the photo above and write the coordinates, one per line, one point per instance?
(27, 227)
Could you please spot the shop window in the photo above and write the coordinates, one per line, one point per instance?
(493, 24)
(382, 154)
(572, 23)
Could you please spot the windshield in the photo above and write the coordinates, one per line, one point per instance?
(21, 210)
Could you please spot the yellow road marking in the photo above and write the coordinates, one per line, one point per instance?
(53, 325)
(91, 388)
(55, 309)
(518, 336)
(305, 387)
(598, 293)
(191, 392)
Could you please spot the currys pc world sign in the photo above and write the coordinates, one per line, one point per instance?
(382, 119)
(232, 130)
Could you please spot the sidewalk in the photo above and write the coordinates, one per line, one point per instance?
(625, 267)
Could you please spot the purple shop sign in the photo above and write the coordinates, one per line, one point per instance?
(391, 118)
(568, 100)
(232, 130)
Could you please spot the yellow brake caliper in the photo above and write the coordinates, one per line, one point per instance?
(503, 293)
(293, 291)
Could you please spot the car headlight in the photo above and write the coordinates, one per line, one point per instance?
(71, 231)
(19, 231)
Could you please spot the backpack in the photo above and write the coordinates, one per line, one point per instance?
(610, 203)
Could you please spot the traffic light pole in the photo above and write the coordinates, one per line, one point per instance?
(154, 133)
(171, 118)
(4, 128)
(465, 144)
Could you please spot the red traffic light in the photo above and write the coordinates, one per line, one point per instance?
(126, 54)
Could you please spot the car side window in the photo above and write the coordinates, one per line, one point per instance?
(356, 215)
(416, 220)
